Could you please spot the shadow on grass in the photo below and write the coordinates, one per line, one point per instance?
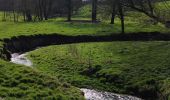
(28, 43)
(83, 21)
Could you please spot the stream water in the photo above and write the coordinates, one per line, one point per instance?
(99, 95)
(20, 59)
(88, 93)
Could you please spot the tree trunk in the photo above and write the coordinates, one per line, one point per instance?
(113, 12)
(121, 16)
(94, 10)
(40, 16)
(28, 16)
(4, 17)
(24, 17)
(151, 7)
(44, 6)
(69, 5)
(14, 16)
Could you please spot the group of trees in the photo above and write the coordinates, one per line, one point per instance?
(119, 7)
(33, 10)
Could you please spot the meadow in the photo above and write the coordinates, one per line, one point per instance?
(22, 83)
(134, 24)
(136, 68)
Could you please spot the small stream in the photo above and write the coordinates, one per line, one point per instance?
(99, 95)
(21, 59)
(89, 94)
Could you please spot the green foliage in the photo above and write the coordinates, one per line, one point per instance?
(84, 11)
(163, 5)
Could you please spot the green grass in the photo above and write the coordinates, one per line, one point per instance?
(10, 29)
(134, 22)
(123, 67)
(138, 68)
(24, 83)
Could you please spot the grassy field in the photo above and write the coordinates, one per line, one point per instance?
(137, 68)
(24, 83)
(58, 25)
(134, 22)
